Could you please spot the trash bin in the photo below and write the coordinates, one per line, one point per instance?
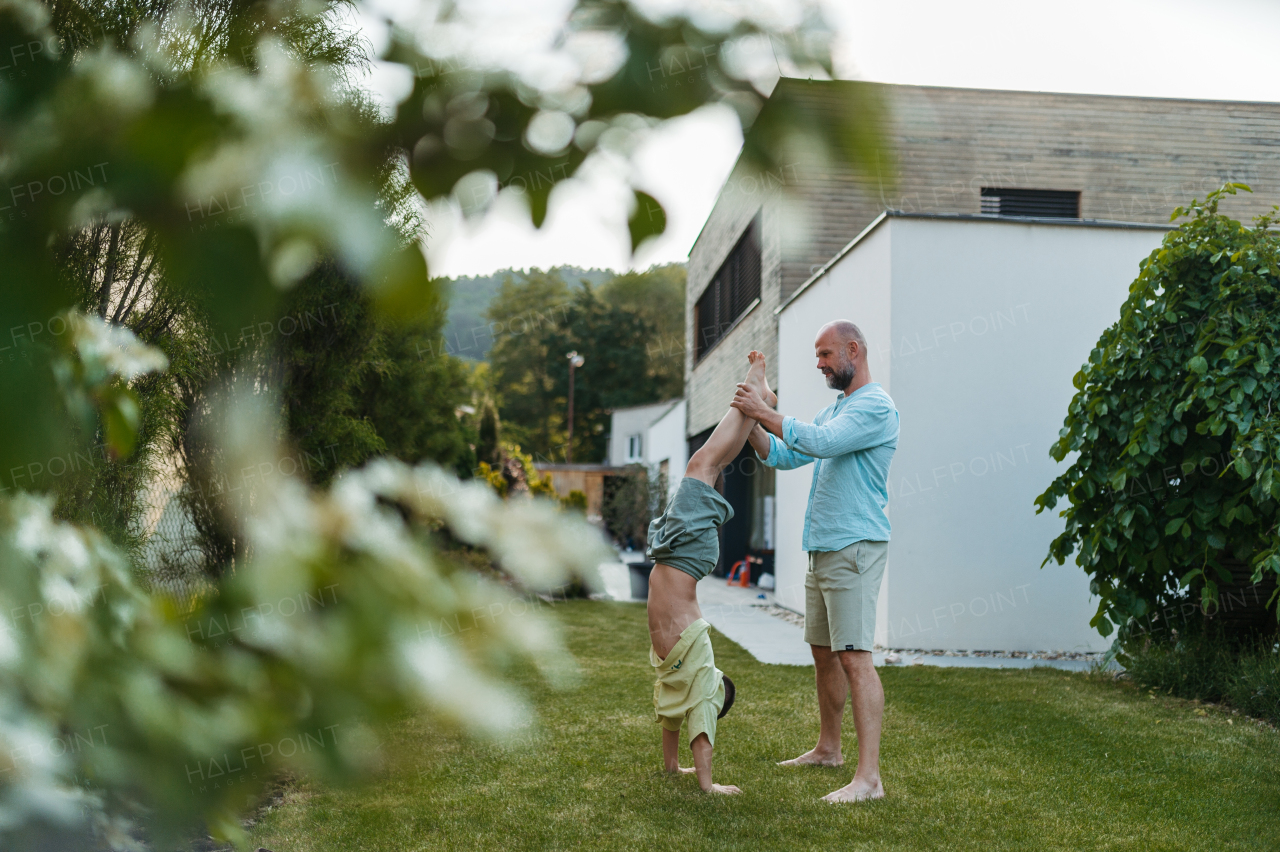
(640, 580)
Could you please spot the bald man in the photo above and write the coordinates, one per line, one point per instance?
(846, 533)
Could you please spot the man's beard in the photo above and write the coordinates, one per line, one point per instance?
(841, 376)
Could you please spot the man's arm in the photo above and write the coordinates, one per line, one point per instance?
(769, 449)
(854, 428)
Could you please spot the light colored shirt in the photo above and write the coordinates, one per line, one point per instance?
(850, 444)
(689, 687)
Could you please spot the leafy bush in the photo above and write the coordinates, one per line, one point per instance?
(1189, 666)
(632, 499)
(1176, 424)
(515, 473)
(574, 501)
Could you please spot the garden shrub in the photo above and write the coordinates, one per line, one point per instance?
(574, 501)
(515, 473)
(1176, 425)
(1193, 665)
(1255, 686)
(632, 499)
(1204, 664)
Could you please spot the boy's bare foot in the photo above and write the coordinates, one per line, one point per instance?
(814, 758)
(857, 790)
(724, 789)
(756, 378)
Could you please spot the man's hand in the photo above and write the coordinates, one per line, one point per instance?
(749, 402)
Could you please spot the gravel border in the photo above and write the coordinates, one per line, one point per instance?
(792, 617)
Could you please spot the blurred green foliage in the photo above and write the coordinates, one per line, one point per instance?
(178, 179)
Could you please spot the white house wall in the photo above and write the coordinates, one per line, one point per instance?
(625, 422)
(666, 442)
(990, 320)
(857, 289)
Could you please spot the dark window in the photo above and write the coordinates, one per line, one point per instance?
(1039, 203)
(735, 286)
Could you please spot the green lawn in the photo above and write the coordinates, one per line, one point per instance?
(973, 759)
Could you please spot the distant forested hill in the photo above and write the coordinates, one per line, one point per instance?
(466, 330)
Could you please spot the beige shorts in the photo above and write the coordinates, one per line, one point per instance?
(840, 594)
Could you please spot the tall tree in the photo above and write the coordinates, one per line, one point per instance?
(657, 294)
(521, 318)
(531, 369)
(415, 402)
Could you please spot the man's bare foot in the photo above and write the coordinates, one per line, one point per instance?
(681, 770)
(814, 758)
(723, 789)
(756, 378)
(857, 790)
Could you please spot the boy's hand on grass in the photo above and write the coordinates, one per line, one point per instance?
(724, 789)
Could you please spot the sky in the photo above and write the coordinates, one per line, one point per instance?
(1223, 49)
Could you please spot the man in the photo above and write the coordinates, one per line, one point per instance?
(846, 533)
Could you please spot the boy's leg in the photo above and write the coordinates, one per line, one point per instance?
(721, 448)
(729, 436)
(701, 747)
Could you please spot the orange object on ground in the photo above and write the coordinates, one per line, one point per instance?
(743, 572)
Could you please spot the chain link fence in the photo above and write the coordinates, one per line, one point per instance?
(172, 559)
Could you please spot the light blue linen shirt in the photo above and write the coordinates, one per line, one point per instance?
(850, 443)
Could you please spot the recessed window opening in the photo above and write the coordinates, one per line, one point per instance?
(1031, 203)
(731, 292)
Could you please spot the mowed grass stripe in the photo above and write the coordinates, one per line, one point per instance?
(1033, 759)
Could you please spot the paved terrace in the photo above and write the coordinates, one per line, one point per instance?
(747, 616)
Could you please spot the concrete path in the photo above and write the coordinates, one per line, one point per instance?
(738, 614)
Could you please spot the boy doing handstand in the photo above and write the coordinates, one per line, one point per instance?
(684, 547)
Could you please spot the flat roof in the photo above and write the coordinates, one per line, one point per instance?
(968, 217)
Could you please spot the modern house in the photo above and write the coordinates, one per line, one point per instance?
(935, 241)
(979, 360)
